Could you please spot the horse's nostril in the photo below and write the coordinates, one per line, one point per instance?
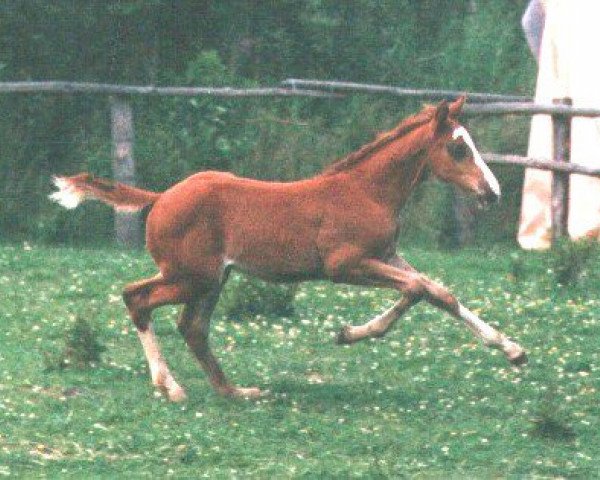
(491, 197)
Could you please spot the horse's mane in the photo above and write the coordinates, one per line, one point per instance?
(381, 140)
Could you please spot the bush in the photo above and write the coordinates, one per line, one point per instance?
(517, 267)
(246, 297)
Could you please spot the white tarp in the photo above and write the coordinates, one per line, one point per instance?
(569, 66)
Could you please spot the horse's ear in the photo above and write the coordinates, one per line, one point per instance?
(456, 106)
(440, 116)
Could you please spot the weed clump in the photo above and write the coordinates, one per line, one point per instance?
(517, 268)
(81, 347)
(569, 260)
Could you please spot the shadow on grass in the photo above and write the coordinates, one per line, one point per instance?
(554, 429)
(552, 420)
(322, 397)
(312, 397)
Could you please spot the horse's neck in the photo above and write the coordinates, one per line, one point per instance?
(391, 174)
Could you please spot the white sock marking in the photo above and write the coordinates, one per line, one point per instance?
(479, 327)
(487, 173)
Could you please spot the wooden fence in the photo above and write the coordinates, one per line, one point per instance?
(128, 226)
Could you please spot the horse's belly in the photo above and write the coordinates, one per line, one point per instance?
(282, 260)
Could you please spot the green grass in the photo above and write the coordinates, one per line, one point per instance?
(427, 401)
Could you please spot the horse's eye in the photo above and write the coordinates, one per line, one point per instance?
(458, 150)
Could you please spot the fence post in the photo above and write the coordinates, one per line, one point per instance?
(561, 143)
(127, 224)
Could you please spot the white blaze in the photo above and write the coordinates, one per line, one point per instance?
(461, 132)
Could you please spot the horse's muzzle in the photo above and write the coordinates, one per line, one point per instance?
(487, 198)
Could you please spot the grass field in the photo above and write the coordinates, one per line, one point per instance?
(427, 401)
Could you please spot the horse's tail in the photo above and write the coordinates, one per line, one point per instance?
(78, 188)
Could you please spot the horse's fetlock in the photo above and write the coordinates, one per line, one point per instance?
(343, 337)
(141, 322)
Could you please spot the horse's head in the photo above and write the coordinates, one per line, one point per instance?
(453, 157)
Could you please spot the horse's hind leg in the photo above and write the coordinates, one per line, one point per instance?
(194, 325)
(141, 298)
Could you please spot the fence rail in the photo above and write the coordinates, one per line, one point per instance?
(540, 164)
(111, 89)
(528, 108)
(352, 87)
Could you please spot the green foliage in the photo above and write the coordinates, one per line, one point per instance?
(246, 297)
(569, 266)
(570, 260)
(490, 48)
(424, 220)
(436, 44)
(208, 69)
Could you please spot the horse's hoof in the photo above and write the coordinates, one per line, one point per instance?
(247, 393)
(177, 395)
(519, 360)
(343, 338)
(174, 394)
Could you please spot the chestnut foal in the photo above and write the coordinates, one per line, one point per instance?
(341, 225)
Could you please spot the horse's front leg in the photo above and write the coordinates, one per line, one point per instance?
(378, 326)
(440, 297)
(416, 286)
